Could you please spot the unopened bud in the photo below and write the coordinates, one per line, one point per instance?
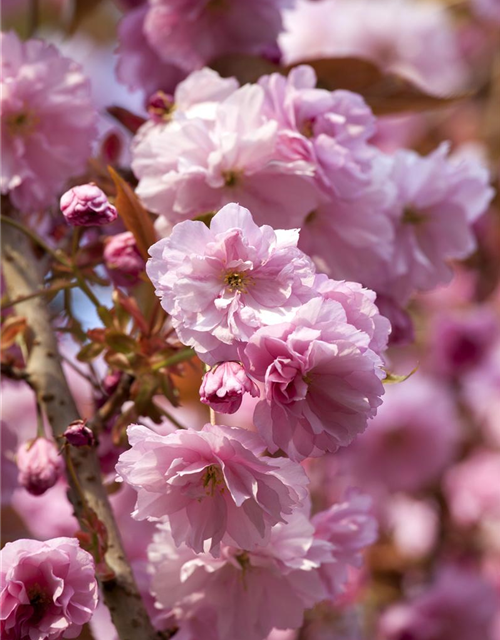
(39, 464)
(160, 107)
(223, 387)
(79, 435)
(87, 206)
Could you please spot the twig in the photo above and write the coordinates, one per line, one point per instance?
(22, 277)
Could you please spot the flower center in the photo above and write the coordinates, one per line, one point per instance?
(40, 601)
(213, 479)
(412, 216)
(307, 128)
(230, 178)
(21, 124)
(236, 281)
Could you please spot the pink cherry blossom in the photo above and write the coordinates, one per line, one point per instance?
(460, 604)
(48, 589)
(39, 464)
(472, 488)
(48, 121)
(211, 485)
(413, 437)
(86, 205)
(349, 527)
(414, 39)
(438, 200)
(224, 385)
(190, 33)
(123, 260)
(195, 165)
(322, 380)
(328, 128)
(249, 592)
(220, 284)
(487, 9)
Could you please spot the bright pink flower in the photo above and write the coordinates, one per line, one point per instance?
(327, 128)
(349, 527)
(472, 488)
(402, 36)
(460, 605)
(139, 66)
(211, 485)
(49, 590)
(48, 121)
(123, 260)
(249, 592)
(222, 283)
(190, 33)
(39, 464)
(195, 165)
(411, 440)
(438, 200)
(86, 205)
(322, 380)
(224, 385)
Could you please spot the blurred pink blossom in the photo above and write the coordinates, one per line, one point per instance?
(39, 464)
(123, 260)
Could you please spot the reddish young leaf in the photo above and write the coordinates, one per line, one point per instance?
(129, 120)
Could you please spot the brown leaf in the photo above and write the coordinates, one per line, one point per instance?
(11, 328)
(129, 120)
(134, 215)
(246, 68)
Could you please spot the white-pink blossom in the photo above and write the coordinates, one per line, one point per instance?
(48, 121)
(48, 589)
(220, 284)
(249, 592)
(212, 485)
(322, 380)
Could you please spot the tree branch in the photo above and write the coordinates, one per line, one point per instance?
(23, 277)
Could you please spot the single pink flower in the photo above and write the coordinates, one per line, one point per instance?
(48, 589)
(123, 260)
(224, 385)
(460, 604)
(411, 440)
(248, 591)
(349, 527)
(191, 33)
(39, 464)
(322, 380)
(86, 205)
(212, 485)
(195, 165)
(220, 284)
(48, 121)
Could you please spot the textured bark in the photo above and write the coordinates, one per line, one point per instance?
(23, 276)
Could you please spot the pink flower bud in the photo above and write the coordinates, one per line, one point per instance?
(79, 435)
(160, 106)
(87, 206)
(224, 385)
(39, 465)
(123, 261)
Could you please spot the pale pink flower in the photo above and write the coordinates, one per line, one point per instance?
(438, 200)
(86, 205)
(224, 385)
(322, 380)
(459, 605)
(349, 527)
(39, 464)
(412, 439)
(413, 524)
(195, 165)
(139, 66)
(48, 121)
(472, 488)
(488, 10)
(190, 33)
(249, 592)
(48, 589)
(211, 485)
(327, 128)
(123, 260)
(220, 284)
(414, 39)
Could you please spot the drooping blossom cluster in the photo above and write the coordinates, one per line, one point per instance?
(48, 122)
(48, 589)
